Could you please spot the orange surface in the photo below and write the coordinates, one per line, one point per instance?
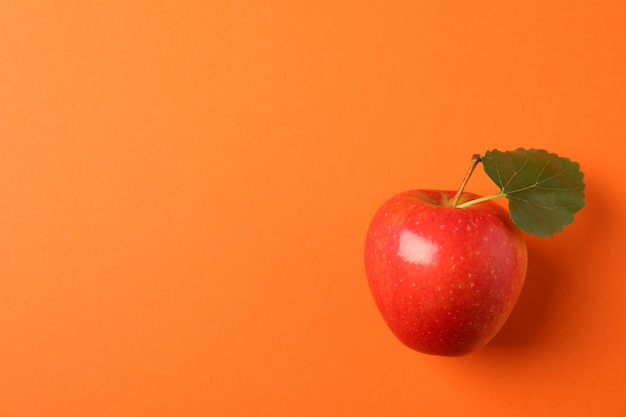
(185, 188)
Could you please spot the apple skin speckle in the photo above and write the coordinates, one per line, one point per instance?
(453, 287)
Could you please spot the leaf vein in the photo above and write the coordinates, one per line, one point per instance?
(548, 207)
(517, 171)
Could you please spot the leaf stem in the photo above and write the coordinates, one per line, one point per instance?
(481, 199)
(476, 159)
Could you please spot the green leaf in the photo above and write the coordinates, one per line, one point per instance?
(543, 189)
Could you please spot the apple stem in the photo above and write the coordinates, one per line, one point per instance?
(476, 159)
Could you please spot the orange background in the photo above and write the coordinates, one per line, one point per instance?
(185, 188)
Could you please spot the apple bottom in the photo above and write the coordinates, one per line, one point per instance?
(444, 279)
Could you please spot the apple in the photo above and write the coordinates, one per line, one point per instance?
(445, 278)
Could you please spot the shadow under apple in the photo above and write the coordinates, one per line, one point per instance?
(533, 306)
(547, 278)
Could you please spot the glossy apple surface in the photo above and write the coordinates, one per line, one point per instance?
(444, 279)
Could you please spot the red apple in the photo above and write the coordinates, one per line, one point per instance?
(444, 278)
